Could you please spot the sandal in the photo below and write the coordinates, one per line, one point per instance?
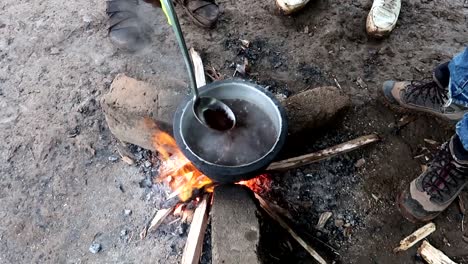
(125, 29)
(203, 12)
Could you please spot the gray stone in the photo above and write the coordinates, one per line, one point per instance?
(135, 110)
(234, 226)
(314, 108)
(127, 212)
(95, 248)
(113, 158)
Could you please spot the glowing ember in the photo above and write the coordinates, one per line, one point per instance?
(176, 169)
(181, 174)
(258, 184)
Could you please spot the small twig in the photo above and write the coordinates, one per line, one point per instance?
(463, 224)
(332, 249)
(337, 84)
(277, 218)
(415, 237)
(323, 154)
(159, 217)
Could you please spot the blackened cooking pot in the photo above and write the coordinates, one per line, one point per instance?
(231, 90)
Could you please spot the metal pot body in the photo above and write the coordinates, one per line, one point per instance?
(230, 90)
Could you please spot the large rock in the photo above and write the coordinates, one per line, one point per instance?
(314, 108)
(235, 230)
(134, 110)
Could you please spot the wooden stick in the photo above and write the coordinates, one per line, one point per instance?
(415, 237)
(323, 219)
(194, 245)
(277, 218)
(157, 220)
(160, 216)
(199, 69)
(323, 154)
(432, 255)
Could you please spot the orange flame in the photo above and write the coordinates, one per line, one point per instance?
(258, 184)
(181, 175)
(176, 169)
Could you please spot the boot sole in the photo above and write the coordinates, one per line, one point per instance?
(409, 216)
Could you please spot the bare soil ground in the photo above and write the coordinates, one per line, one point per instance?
(60, 188)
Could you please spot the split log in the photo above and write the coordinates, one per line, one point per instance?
(198, 67)
(235, 229)
(194, 245)
(432, 255)
(323, 154)
(415, 237)
(275, 216)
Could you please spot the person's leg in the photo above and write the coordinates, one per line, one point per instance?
(382, 17)
(443, 96)
(126, 29)
(458, 87)
(447, 174)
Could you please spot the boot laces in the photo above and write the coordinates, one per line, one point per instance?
(390, 5)
(444, 177)
(426, 91)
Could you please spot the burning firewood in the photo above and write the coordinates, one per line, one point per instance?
(415, 237)
(275, 216)
(432, 255)
(323, 154)
(194, 245)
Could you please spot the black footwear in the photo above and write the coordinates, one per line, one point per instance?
(125, 28)
(436, 188)
(429, 96)
(205, 13)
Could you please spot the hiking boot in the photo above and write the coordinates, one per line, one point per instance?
(436, 188)
(382, 17)
(125, 28)
(429, 96)
(205, 13)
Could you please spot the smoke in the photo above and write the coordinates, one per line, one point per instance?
(253, 136)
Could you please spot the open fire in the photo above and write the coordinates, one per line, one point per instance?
(182, 176)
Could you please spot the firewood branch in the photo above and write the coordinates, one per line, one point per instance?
(194, 245)
(275, 216)
(323, 154)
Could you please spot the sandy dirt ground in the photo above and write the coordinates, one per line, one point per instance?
(61, 189)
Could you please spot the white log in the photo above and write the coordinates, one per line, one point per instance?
(432, 255)
(194, 245)
(415, 237)
(199, 69)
